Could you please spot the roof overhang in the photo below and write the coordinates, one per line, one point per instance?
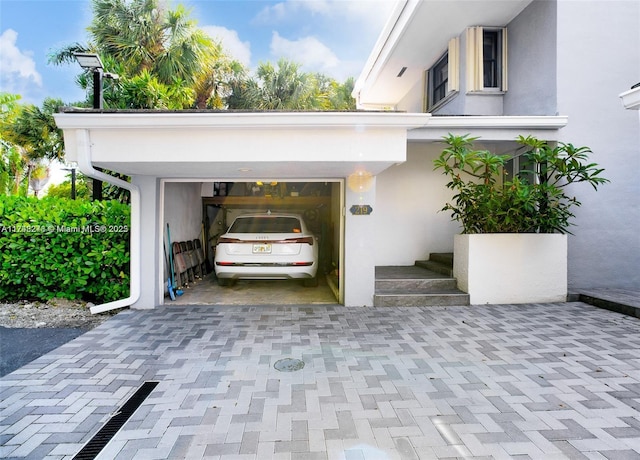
(239, 145)
(631, 98)
(490, 128)
(415, 37)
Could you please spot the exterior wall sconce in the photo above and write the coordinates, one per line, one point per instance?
(360, 181)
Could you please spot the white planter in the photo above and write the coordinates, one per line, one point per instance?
(498, 268)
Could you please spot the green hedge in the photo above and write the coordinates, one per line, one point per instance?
(63, 248)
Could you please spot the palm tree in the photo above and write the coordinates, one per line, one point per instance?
(30, 138)
(159, 53)
(165, 61)
(286, 87)
(144, 35)
(11, 160)
(153, 42)
(35, 130)
(281, 88)
(214, 86)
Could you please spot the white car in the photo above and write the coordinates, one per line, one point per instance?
(267, 246)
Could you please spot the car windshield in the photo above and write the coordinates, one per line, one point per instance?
(265, 224)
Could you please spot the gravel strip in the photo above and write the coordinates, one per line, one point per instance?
(58, 313)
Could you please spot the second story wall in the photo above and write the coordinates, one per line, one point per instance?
(598, 58)
(528, 85)
(532, 61)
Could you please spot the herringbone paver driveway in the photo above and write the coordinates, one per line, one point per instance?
(530, 381)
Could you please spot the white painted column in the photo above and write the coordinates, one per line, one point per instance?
(359, 248)
(149, 242)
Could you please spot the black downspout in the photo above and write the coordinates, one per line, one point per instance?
(97, 104)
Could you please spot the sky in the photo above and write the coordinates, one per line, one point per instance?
(333, 37)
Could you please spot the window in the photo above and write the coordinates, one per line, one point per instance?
(442, 78)
(490, 58)
(259, 224)
(486, 59)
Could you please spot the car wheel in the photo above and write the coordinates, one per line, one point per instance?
(310, 282)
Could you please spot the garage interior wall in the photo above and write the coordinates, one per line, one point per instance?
(409, 197)
(183, 210)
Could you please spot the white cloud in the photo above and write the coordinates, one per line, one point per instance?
(344, 31)
(274, 13)
(231, 43)
(17, 68)
(367, 12)
(372, 13)
(308, 51)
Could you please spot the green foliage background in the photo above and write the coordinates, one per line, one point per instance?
(63, 248)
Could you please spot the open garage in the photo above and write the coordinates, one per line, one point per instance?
(189, 169)
(200, 212)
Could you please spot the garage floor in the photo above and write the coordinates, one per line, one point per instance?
(254, 292)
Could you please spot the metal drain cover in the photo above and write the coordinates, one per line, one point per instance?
(289, 365)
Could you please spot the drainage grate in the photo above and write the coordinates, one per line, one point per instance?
(289, 365)
(102, 437)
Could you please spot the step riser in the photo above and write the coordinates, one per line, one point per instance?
(421, 285)
(444, 258)
(435, 267)
(414, 290)
(421, 300)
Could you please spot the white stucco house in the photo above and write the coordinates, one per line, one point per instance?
(495, 69)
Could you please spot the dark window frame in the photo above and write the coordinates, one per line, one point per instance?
(492, 58)
(438, 81)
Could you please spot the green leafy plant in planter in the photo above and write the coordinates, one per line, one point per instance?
(534, 201)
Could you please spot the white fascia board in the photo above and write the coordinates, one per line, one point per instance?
(506, 122)
(241, 120)
(631, 99)
(489, 127)
(393, 29)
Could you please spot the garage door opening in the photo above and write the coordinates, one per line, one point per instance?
(214, 209)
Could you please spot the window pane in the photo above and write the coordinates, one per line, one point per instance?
(490, 50)
(266, 225)
(440, 77)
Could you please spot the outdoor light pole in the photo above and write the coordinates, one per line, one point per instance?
(73, 181)
(92, 62)
(97, 89)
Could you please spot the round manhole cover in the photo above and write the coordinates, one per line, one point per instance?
(289, 365)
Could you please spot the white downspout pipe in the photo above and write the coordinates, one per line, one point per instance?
(86, 166)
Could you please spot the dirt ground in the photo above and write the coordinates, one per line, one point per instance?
(58, 313)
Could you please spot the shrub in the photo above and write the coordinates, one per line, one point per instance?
(63, 248)
(485, 204)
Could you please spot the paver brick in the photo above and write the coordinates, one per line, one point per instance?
(526, 381)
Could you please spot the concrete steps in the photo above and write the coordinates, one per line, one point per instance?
(427, 283)
(439, 262)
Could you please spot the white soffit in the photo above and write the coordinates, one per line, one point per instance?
(416, 36)
(234, 145)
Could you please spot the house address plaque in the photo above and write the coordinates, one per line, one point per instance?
(361, 209)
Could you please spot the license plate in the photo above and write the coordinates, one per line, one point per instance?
(262, 248)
